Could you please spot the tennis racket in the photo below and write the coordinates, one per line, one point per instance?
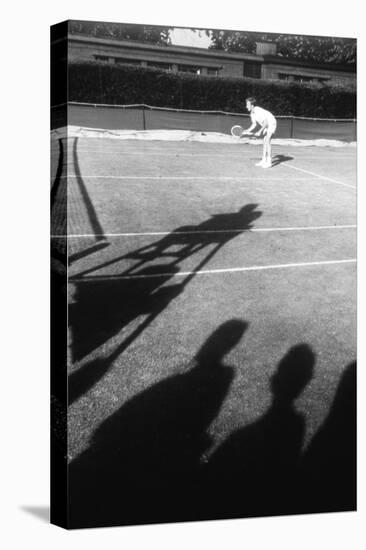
(237, 131)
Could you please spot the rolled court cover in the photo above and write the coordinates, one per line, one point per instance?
(203, 309)
(144, 117)
(191, 135)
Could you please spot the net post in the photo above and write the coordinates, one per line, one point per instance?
(292, 128)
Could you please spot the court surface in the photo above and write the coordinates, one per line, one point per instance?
(173, 244)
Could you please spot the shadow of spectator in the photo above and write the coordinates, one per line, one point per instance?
(143, 463)
(253, 473)
(329, 464)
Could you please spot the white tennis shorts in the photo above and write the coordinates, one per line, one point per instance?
(271, 128)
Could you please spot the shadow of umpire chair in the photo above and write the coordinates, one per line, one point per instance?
(187, 240)
(103, 305)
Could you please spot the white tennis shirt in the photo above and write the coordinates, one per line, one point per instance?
(262, 117)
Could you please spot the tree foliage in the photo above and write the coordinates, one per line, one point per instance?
(307, 48)
(120, 31)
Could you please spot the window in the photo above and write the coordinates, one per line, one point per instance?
(252, 69)
(190, 69)
(101, 58)
(125, 61)
(160, 65)
(212, 72)
(300, 78)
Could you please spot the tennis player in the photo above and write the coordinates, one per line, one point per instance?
(267, 123)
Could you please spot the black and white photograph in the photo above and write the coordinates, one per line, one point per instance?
(203, 274)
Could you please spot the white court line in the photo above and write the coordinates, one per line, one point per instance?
(320, 177)
(177, 155)
(180, 178)
(216, 271)
(229, 154)
(173, 233)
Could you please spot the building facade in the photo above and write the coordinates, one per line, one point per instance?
(265, 64)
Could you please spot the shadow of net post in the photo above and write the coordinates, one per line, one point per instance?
(91, 215)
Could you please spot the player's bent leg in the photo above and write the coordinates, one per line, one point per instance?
(265, 145)
(266, 161)
(268, 149)
(263, 160)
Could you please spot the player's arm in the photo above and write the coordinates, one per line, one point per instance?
(250, 129)
(262, 129)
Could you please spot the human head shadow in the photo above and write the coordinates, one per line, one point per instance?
(328, 469)
(253, 473)
(143, 462)
(279, 159)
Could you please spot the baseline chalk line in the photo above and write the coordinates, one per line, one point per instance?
(213, 231)
(214, 271)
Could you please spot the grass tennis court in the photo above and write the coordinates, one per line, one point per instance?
(181, 254)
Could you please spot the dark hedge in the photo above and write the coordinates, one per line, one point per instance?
(125, 85)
